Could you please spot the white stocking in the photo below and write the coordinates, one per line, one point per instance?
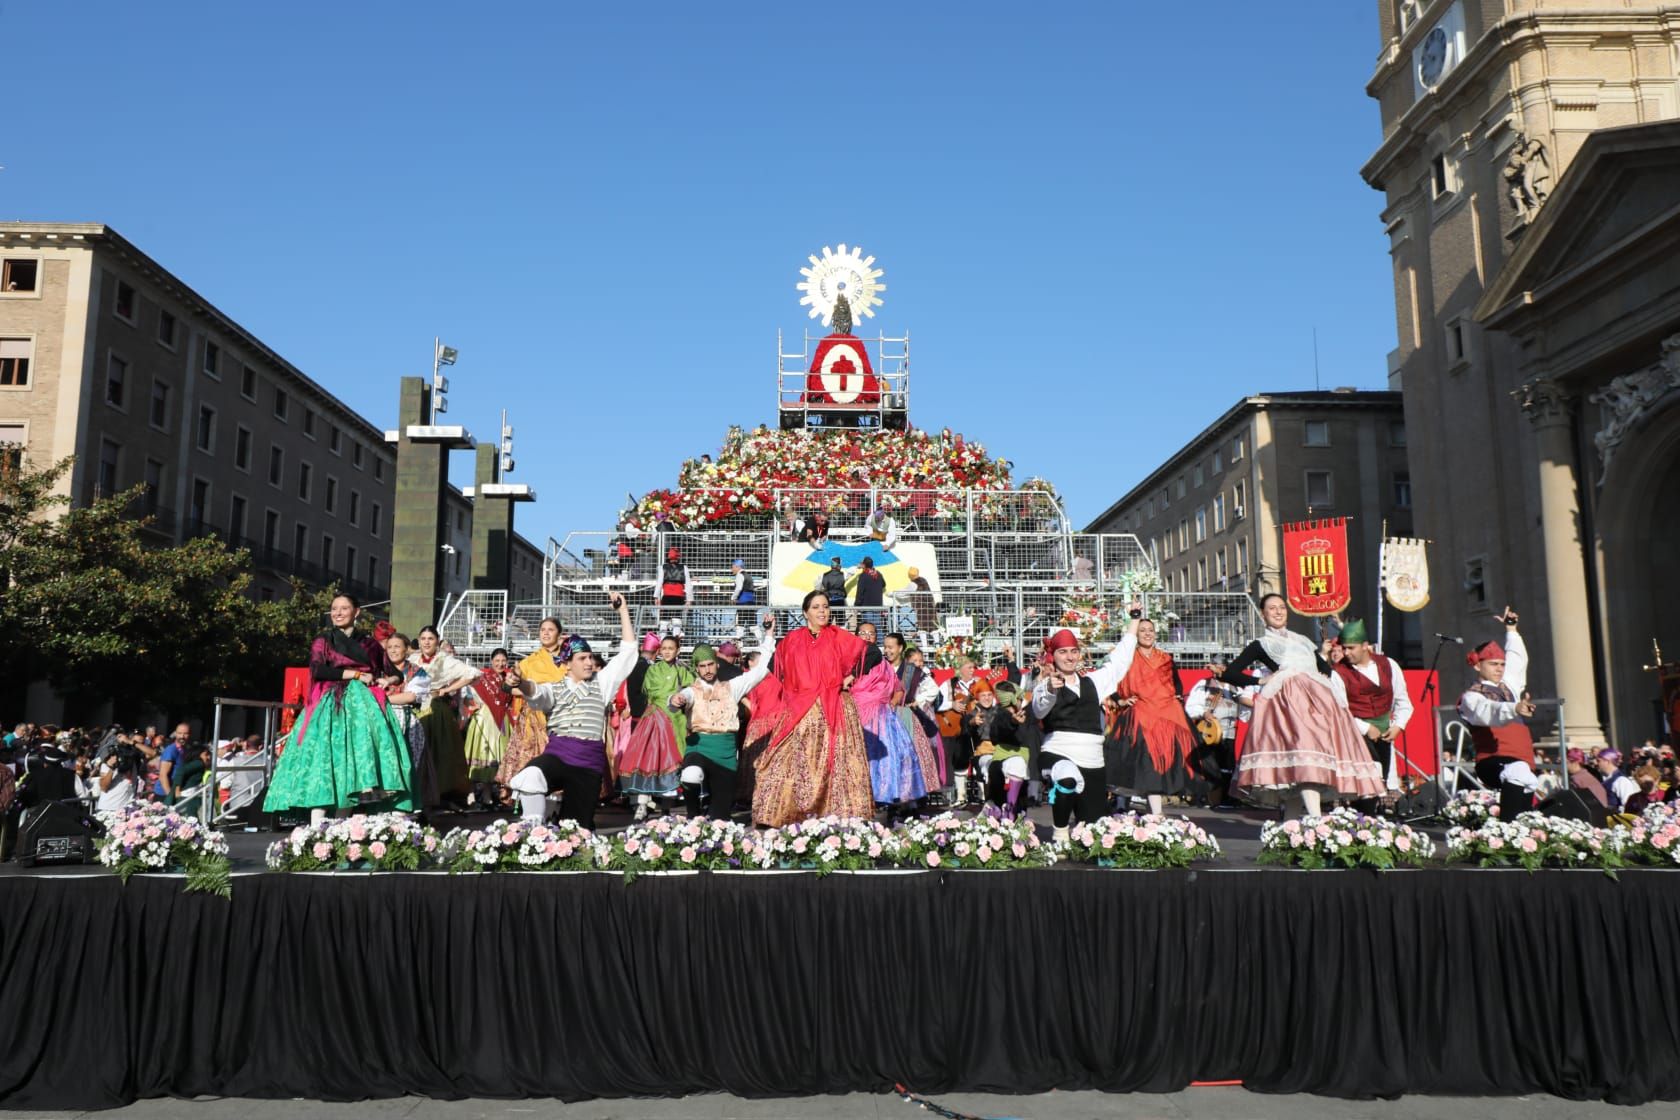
(1310, 802)
(534, 806)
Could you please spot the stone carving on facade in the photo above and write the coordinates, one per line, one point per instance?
(1544, 401)
(1528, 177)
(1625, 400)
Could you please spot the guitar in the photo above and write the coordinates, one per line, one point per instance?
(951, 719)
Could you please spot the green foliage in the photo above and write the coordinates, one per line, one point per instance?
(92, 605)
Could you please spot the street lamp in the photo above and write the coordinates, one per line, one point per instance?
(441, 356)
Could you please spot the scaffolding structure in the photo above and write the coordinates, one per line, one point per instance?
(1009, 565)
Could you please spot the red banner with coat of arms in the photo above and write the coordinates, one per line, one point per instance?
(1315, 565)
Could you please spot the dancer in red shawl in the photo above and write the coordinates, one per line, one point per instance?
(1150, 751)
(815, 764)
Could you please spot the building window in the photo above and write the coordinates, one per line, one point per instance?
(332, 440)
(1198, 478)
(212, 359)
(373, 519)
(1320, 493)
(276, 465)
(1457, 353)
(1239, 500)
(1184, 578)
(116, 380)
(1443, 176)
(1236, 449)
(1218, 460)
(1316, 433)
(1201, 525)
(332, 494)
(1219, 513)
(1167, 546)
(236, 518)
(1475, 582)
(1397, 433)
(1149, 509)
(457, 562)
(1201, 573)
(356, 455)
(242, 448)
(1242, 555)
(166, 329)
(248, 383)
(326, 554)
(355, 507)
(160, 406)
(1181, 487)
(14, 362)
(373, 571)
(110, 456)
(271, 530)
(281, 403)
(1183, 535)
(303, 481)
(300, 542)
(309, 422)
(198, 514)
(125, 301)
(1219, 572)
(206, 428)
(19, 275)
(350, 561)
(378, 467)
(460, 521)
(153, 492)
(1403, 490)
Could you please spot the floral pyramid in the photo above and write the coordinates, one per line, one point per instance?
(914, 471)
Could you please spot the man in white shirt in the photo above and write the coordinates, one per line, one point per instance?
(1376, 695)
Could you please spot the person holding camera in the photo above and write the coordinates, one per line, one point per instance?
(116, 776)
(1494, 708)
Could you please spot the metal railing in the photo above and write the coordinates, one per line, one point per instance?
(211, 809)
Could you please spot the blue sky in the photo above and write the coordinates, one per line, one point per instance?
(1101, 222)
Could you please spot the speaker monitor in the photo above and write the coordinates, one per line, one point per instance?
(1572, 804)
(56, 832)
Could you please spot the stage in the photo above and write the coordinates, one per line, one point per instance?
(352, 986)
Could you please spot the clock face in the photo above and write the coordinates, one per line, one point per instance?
(1434, 57)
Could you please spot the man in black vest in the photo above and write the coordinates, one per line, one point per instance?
(1069, 706)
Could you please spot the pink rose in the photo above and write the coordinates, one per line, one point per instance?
(933, 859)
(565, 848)
(378, 849)
(510, 837)
(688, 855)
(1529, 845)
(357, 831)
(874, 850)
(654, 851)
(1495, 843)
(962, 848)
(322, 849)
(1019, 849)
(1403, 842)
(353, 852)
(631, 846)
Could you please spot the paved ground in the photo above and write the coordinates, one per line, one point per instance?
(1192, 1104)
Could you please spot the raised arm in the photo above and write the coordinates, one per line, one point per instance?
(1237, 672)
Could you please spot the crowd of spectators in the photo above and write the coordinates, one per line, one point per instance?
(103, 769)
(1628, 785)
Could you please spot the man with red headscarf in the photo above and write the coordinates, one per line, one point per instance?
(1494, 709)
(1069, 707)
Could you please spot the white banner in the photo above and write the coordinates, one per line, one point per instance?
(1405, 573)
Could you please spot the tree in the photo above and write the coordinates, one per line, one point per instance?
(96, 610)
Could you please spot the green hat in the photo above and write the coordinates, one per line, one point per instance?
(1007, 693)
(1354, 632)
(703, 654)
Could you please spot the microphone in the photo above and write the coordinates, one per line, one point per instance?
(1450, 638)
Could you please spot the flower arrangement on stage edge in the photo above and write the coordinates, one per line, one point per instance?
(1534, 840)
(1471, 808)
(525, 846)
(1343, 838)
(952, 841)
(1135, 840)
(825, 844)
(680, 844)
(1655, 837)
(145, 836)
(364, 842)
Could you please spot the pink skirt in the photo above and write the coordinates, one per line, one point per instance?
(651, 756)
(1301, 739)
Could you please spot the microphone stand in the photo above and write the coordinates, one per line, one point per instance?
(1431, 698)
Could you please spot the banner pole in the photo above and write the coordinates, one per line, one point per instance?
(1382, 575)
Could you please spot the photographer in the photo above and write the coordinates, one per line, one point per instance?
(116, 776)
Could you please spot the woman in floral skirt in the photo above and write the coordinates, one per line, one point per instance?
(347, 749)
(650, 759)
